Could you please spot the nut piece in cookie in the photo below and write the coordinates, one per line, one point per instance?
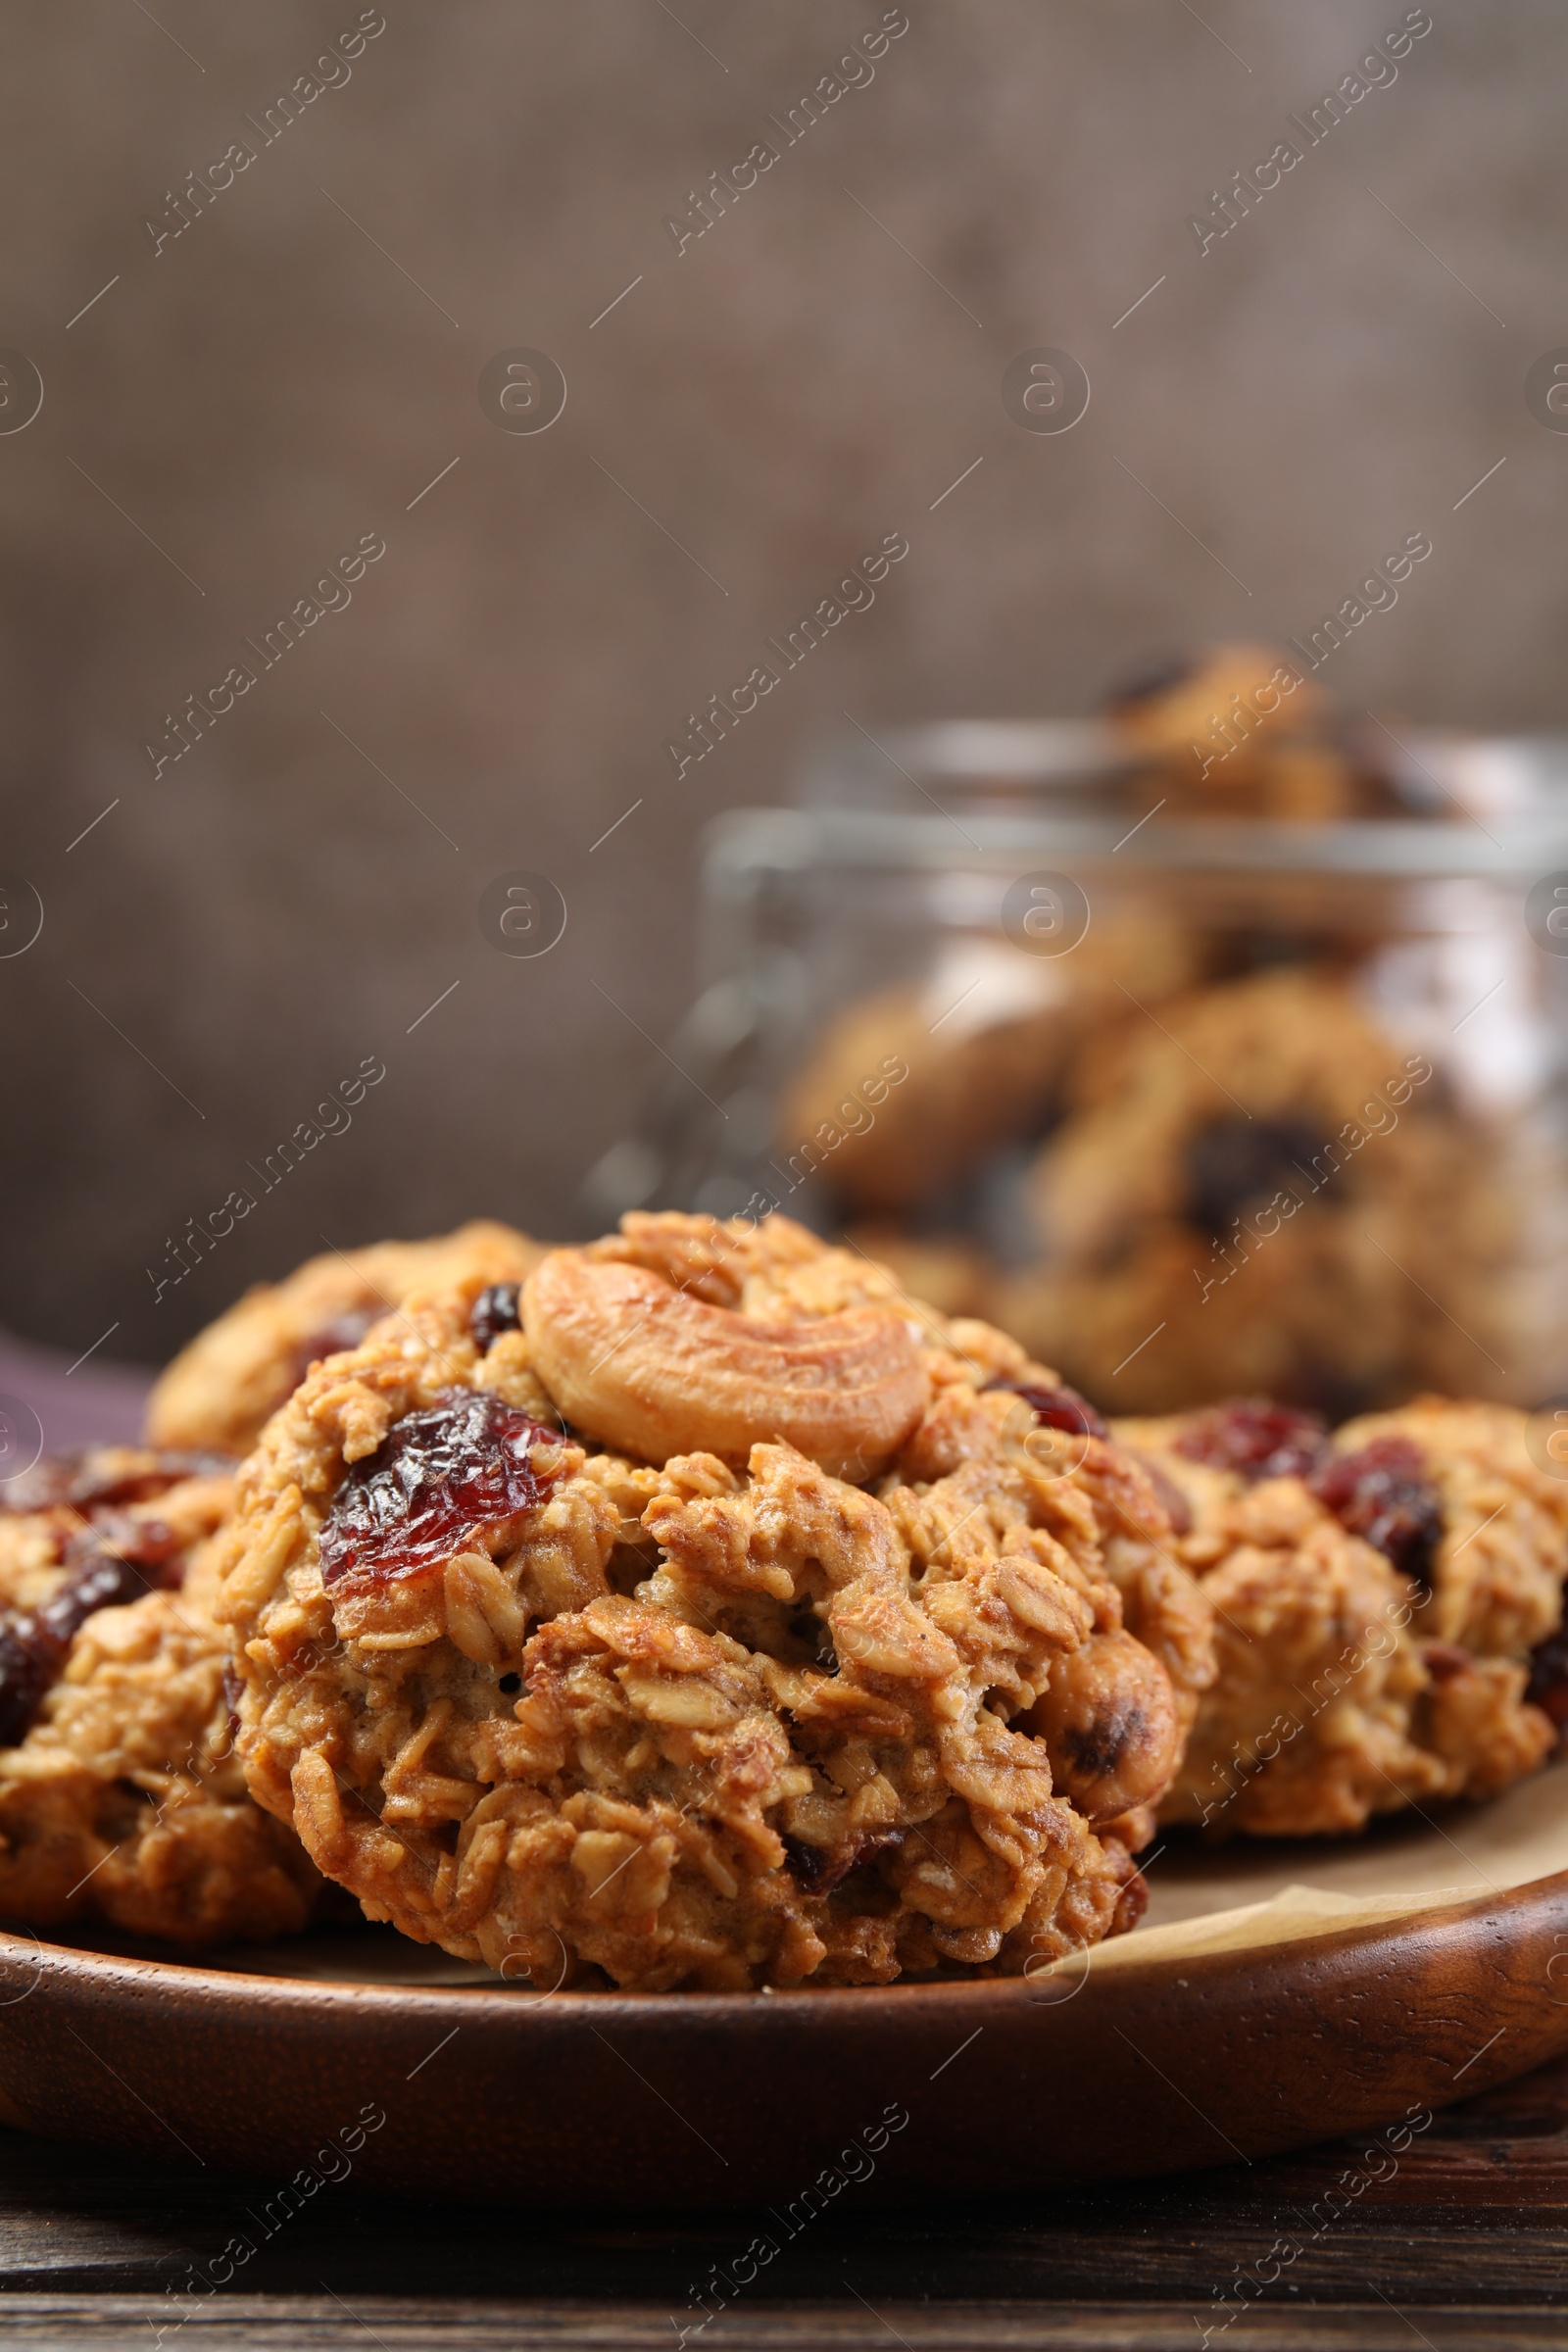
(1107, 1717)
(635, 1358)
(644, 1639)
(1371, 1655)
(221, 1390)
(121, 1799)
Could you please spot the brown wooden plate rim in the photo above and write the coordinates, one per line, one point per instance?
(68, 1962)
(1188, 2059)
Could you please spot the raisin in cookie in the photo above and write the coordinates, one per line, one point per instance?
(721, 1623)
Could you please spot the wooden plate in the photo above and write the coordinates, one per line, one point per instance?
(1236, 2035)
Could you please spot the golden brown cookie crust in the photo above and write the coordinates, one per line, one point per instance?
(697, 1721)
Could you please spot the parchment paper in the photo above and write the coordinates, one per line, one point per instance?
(1205, 1898)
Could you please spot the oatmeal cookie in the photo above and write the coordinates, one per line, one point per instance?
(1341, 1571)
(120, 1799)
(1265, 1193)
(1449, 1492)
(909, 1089)
(722, 1623)
(1024, 1418)
(221, 1390)
(1238, 730)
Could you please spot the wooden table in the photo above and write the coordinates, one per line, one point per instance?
(1461, 2243)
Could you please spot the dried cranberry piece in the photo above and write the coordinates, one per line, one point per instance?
(495, 1311)
(438, 1476)
(1547, 1688)
(810, 1866)
(818, 1869)
(28, 1665)
(1235, 1164)
(1381, 1493)
(1253, 1438)
(148, 1547)
(84, 1481)
(102, 1582)
(1058, 1408)
(34, 1647)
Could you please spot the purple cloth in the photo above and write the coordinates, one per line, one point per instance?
(47, 1405)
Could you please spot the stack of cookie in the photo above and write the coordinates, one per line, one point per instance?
(1233, 1137)
(697, 1608)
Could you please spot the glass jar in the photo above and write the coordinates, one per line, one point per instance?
(1196, 1104)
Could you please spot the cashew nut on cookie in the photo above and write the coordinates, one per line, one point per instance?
(641, 1364)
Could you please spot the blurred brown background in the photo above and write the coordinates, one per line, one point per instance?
(292, 370)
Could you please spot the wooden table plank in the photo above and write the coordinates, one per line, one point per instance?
(1467, 2233)
(318, 2323)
